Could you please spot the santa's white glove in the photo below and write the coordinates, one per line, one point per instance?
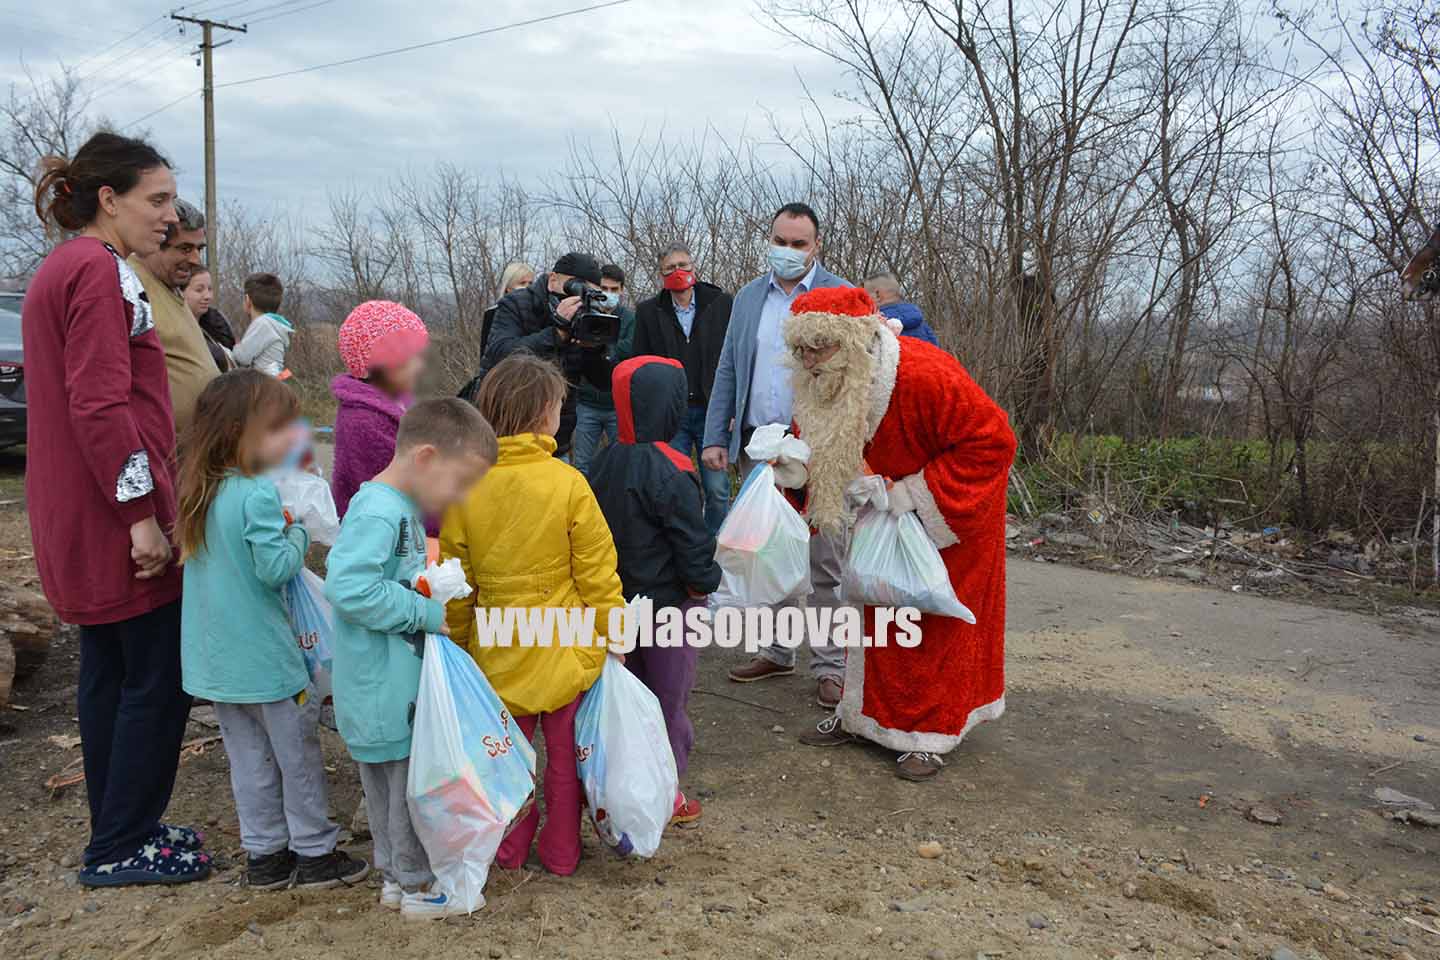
(790, 474)
(900, 499)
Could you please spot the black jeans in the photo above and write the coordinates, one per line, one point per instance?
(132, 721)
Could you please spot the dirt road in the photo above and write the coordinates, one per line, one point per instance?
(1107, 814)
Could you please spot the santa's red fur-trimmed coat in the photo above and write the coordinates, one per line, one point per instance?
(933, 429)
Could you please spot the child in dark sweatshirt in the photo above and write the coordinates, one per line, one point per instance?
(652, 500)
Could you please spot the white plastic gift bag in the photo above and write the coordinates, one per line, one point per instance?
(305, 492)
(313, 622)
(764, 543)
(307, 496)
(892, 562)
(623, 755)
(472, 771)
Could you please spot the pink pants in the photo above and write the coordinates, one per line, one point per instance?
(559, 845)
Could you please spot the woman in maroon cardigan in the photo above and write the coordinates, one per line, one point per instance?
(100, 489)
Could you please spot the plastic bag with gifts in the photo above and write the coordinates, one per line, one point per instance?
(892, 562)
(472, 771)
(764, 543)
(623, 755)
(305, 493)
(313, 622)
(442, 581)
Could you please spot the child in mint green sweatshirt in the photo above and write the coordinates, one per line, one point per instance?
(443, 447)
(239, 549)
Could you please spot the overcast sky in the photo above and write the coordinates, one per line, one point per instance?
(505, 102)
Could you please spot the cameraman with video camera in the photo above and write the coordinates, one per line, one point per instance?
(562, 317)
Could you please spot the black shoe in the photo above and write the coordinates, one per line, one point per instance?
(330, 870)
(274, 871)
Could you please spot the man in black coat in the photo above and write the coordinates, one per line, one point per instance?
(535, 319)
(687, 321)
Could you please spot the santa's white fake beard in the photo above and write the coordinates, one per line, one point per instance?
(831, 402)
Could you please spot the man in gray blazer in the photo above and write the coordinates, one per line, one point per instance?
(752, 388)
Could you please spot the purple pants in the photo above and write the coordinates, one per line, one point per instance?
(669, 673)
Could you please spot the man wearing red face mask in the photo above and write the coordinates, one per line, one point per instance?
(686, 321)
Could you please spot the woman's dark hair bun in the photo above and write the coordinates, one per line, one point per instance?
(68, 191)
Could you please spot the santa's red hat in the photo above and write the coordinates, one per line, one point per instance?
(832, 315)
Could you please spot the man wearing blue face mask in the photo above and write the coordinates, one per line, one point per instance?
(594, 407)
(752, 388)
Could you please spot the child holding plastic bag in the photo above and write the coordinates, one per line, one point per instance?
(531, 535)
(442, 448)
(239, 550)
(653, 503)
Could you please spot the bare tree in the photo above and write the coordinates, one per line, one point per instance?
(46, 117)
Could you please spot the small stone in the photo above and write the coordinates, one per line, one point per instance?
(91, 907)
(1268, 816)
(1315, 886)
(1067, 872)
(1129, 890)
(1335, 893)
(719, 908)
(1034, 863)
(496, 953)
(929, 849)
(69, 861)
(1283, 953)
(1429, 910)
(1424, 818)
(342, 910)
(935, 955)
(777, 729)
(1036, 921)
(254, 928)
(1420, 738)
(915, 905)
(1398, 940)
(824, 763)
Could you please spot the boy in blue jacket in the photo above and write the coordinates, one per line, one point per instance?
(442, 448)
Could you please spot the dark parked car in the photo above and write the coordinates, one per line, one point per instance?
(12, 372)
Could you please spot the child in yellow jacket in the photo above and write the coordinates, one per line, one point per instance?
(530, 535)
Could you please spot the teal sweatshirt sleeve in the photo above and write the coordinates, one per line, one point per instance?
(277, 549)
(356, 587)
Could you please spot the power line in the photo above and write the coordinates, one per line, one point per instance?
(384, 53)
(429, 43)
(159, 110)
(125, 39)
(286, 13)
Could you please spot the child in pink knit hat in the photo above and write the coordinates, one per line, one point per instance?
(383, 346)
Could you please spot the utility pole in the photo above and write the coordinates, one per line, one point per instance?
(207, 49)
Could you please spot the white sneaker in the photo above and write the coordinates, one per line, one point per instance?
(391, 894)
(430, 905)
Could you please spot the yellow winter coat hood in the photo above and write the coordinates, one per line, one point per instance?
(530, 535)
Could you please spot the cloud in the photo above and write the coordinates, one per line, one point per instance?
(511, 101)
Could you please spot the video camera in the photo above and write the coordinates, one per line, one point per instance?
(592, 324)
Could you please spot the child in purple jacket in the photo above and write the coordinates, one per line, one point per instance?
(383, 346)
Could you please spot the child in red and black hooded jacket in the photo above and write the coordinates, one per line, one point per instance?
(653, 502)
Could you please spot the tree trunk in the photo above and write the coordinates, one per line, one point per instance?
(27, 625)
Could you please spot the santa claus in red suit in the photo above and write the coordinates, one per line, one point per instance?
(870, 402)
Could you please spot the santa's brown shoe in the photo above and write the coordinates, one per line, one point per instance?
(759, 669)
(827, 692)
(918, 766)
(828, 733)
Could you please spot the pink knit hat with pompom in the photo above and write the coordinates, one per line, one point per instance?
(378, 334)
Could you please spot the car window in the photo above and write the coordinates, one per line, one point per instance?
(9, 325)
